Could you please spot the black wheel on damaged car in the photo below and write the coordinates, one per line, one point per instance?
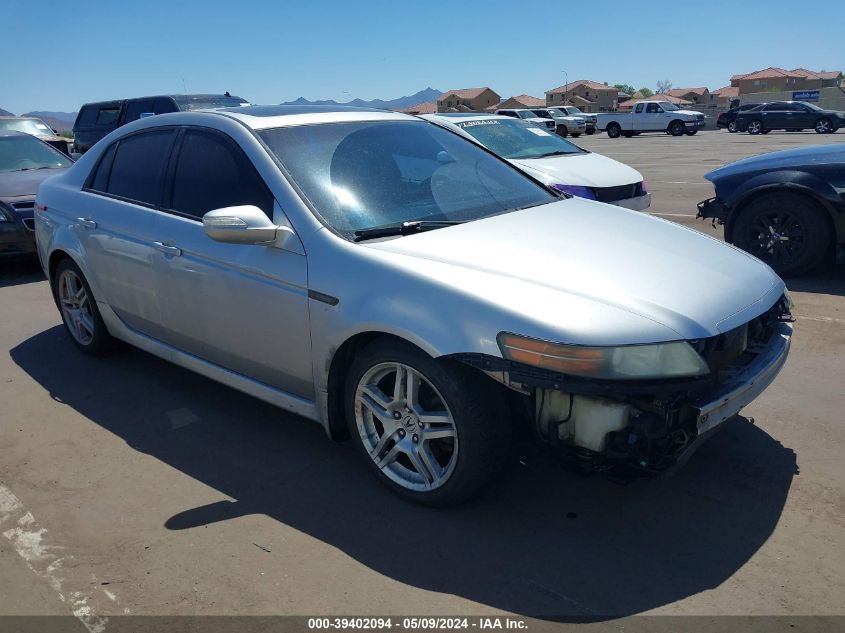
(79, 310)
(824, 126)
(755, 126)
(433, 430)
(614, 130)
(732, 127)
(788, 231)
(676, 128)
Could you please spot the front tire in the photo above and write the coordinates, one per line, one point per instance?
(755, 127)
(432, 430)
(614, 130)
(786, 230)
(79, 310)
(824, 126)
(562, 131)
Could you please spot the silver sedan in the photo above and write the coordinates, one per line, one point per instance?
(401, 285)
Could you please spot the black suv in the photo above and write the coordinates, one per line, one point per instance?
(95, 120)
(728, 119)
(789, 115)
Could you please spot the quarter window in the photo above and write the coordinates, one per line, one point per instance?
(212, 173)
(107, 116)
(138, 164)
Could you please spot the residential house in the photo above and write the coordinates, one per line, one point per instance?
(697, 96)
(521, 101)
(429, 107)
(779, 80)
(721, 99)
(589, 96)
(467, 100)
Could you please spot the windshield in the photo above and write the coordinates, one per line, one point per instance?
(811, 106)
(186, 103)
(668, 107)
(543, 114)
(527, 114)
(514, 139)
(377, 173)
(18, 153)
(30, 126)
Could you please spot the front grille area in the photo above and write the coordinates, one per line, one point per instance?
(622, 192)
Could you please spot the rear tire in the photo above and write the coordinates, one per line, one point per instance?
(613, 130)
(732, 127)
(691, 132)
(786, 230)
(434, 431)
(576, 135)
(591, 131)
(79, 311)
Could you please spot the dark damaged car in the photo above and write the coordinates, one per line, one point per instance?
(25, 162)
(786, 208)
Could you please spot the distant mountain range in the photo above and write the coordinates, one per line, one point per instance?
(423, 96)
(61, 121)
(5, 112)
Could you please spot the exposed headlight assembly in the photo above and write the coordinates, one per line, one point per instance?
(626, 362)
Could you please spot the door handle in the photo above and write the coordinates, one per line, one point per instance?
(87, 223)
(168, 249)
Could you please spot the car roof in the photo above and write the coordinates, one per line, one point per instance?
(261, 117)
(465, 116)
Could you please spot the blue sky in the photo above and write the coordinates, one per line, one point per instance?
(61, 54)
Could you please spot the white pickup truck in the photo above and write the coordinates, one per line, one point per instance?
(650, 116)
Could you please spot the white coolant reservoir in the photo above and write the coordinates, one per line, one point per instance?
(593, 418)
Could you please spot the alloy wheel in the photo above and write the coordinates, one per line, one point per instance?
(823, 126)
(76, 307)
(406, 426)
(778, 237)
(755, 127)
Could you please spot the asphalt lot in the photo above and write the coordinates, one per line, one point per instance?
(128, 485)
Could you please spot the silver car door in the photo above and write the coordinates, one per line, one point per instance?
(241, 306)
(116, 225)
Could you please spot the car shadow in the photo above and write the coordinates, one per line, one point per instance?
(541, 542)
(827, 282)
(18, 271)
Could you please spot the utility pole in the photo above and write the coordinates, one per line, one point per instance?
(565, 86)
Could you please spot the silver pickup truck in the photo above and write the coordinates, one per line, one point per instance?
(589, 119)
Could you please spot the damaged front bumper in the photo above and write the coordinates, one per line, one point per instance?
(652, 425)
(714, 209)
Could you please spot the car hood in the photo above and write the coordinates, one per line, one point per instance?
(583, 170)
(687, 112)
(801, 157)
(598, 265)
(14, 184)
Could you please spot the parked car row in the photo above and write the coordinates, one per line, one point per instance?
(416, 291)
(792, 116)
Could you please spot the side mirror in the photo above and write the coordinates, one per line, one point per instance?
(245, 224)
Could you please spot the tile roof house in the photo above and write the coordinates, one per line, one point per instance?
(693, 95)
(522, 101)
(775, 79)
(467, 100)
(722, 97)
(590, 96)
(429, 107)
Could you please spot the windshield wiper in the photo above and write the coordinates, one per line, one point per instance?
(33, 168)
(557, 152)
(405, 228)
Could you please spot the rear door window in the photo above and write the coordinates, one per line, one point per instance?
(212, 172)
(139, 162)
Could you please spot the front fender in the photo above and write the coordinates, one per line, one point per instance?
(793, 181)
